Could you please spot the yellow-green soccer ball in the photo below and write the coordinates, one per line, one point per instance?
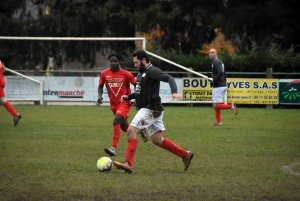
(104, 164)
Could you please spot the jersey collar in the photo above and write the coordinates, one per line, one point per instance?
(148, 66)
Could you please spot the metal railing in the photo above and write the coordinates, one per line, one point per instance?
(93, 73)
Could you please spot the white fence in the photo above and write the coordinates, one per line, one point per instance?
(65, 89)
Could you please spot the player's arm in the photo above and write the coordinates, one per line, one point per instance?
(131, 78)
(160, 75)
(127, 97)
(102, 81)
(100, 92)
(173, 87)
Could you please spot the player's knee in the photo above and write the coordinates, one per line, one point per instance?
(157, 139)
(131, 133)
(118, 119)
(157, 143)
(2, 100)
(124, 127)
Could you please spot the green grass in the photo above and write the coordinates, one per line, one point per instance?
(52, 155)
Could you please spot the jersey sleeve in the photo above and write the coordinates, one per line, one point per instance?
(158, 74)
(131, 78)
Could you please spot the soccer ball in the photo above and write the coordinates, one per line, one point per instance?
(104, 164)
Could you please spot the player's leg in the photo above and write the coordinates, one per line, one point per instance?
(118, 119)
(119, 122)
(217, 99)
(124, 126)
(221, 105)
(124, 110)
(155, 132)
(9, 107)
(217, 117)
(132, 143)
(220, 95)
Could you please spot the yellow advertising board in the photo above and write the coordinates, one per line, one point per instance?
(252, 90)
(240, 90)
(196, 89)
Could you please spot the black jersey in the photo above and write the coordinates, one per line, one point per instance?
(147, 88)
(218, 74)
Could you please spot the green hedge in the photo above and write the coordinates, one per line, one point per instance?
(255, 61)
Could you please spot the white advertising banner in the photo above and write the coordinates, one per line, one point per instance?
(165, 91)
(18, 87)
(67, 88)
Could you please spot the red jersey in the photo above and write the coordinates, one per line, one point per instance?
(2, 80)
(117, 84)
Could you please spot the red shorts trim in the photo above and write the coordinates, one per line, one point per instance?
(122, 109)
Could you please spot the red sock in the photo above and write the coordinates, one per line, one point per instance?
(116, 136)
(10, 109)
(222, 106)
(218, 115)
(173, 148)
(132, 144)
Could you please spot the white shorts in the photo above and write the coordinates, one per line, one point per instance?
(145, 119)
(218, 94)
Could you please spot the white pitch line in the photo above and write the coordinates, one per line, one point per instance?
(289, 169)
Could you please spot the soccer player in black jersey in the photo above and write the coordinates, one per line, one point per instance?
(219, 87)
(150, 114)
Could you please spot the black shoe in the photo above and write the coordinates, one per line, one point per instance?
(16, 119)
(144, 135)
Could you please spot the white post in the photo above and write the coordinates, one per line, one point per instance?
(15, 72)
(144, 43)
(41, 92)
(180, 66)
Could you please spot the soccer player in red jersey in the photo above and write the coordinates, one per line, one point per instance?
(117, 82)
(3, 101)
(219, 87)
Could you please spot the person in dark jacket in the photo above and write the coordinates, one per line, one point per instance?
(219, 87)
(150, 111)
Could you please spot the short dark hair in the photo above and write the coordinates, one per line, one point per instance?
(140, 54)
(119, 57)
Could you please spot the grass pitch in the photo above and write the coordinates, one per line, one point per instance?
(52, 155)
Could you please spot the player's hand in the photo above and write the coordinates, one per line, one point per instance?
(124, 98)
(177, 97)
(100, 100)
